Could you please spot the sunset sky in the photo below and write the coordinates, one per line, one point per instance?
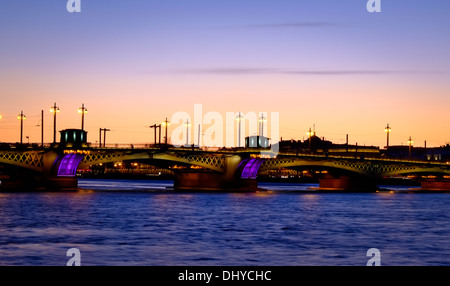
(133, 63)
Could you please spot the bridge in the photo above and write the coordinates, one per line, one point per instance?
(234, 169)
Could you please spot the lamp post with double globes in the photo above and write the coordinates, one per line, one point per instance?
(388, 130)
(21, 117)
(166, 124)
(83, 111)
(54, 109)
(410, 142)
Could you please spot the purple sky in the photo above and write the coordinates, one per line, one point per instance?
(323, 62)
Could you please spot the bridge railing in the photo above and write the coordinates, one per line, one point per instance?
(18, 146)
(367, 158)
(123, 146)
(143, 146)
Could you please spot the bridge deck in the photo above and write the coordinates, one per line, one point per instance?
(32, 157)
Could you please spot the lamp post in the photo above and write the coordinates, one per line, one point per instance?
(261, 120)
(83, 111)
(346, 144)
(54, 109)
(21, 117)
(166, 124)
(387, 129)
(410, 142)
(187, 124)
(100, 137)
(310, 134)
(42, 128)
(239, 118)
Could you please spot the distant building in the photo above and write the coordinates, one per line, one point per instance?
(420, 153)
(319, 145)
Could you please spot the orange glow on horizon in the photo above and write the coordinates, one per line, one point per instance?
(335, 111)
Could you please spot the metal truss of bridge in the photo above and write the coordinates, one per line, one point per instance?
(230, 169)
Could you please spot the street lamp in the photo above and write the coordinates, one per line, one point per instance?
(21, 117)
(261, 120)
(42, 128)
(310, 134)
(187, 124)
(239, 118)
(410, 142)
(166, 124)
(83, 111)
(54, 109)
(387, 129)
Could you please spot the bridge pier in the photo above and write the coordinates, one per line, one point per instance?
(206, 180)
(442, 184)
(328, 182)
(30, 182)
(211, 181)
(55, 172)
(61, 183)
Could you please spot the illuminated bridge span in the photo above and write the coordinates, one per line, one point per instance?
(369, 167)
(196, 169)
(229, 169)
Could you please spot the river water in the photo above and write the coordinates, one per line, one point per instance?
(124, 222)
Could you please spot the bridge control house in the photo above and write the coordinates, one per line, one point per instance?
(257, 142)
(73, 138)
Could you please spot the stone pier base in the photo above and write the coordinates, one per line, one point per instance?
(62, 183)
(210, 181)
(36, 183)
(329, 182)
(436, 185)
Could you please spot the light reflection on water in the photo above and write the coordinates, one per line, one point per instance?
(116, 222)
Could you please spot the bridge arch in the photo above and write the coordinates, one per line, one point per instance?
(66, 165)
(371, 168)
(249, 168)
(212, 162)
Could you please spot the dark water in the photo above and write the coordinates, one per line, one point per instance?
(141, 223)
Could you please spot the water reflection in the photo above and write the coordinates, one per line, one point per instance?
(112, 225)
